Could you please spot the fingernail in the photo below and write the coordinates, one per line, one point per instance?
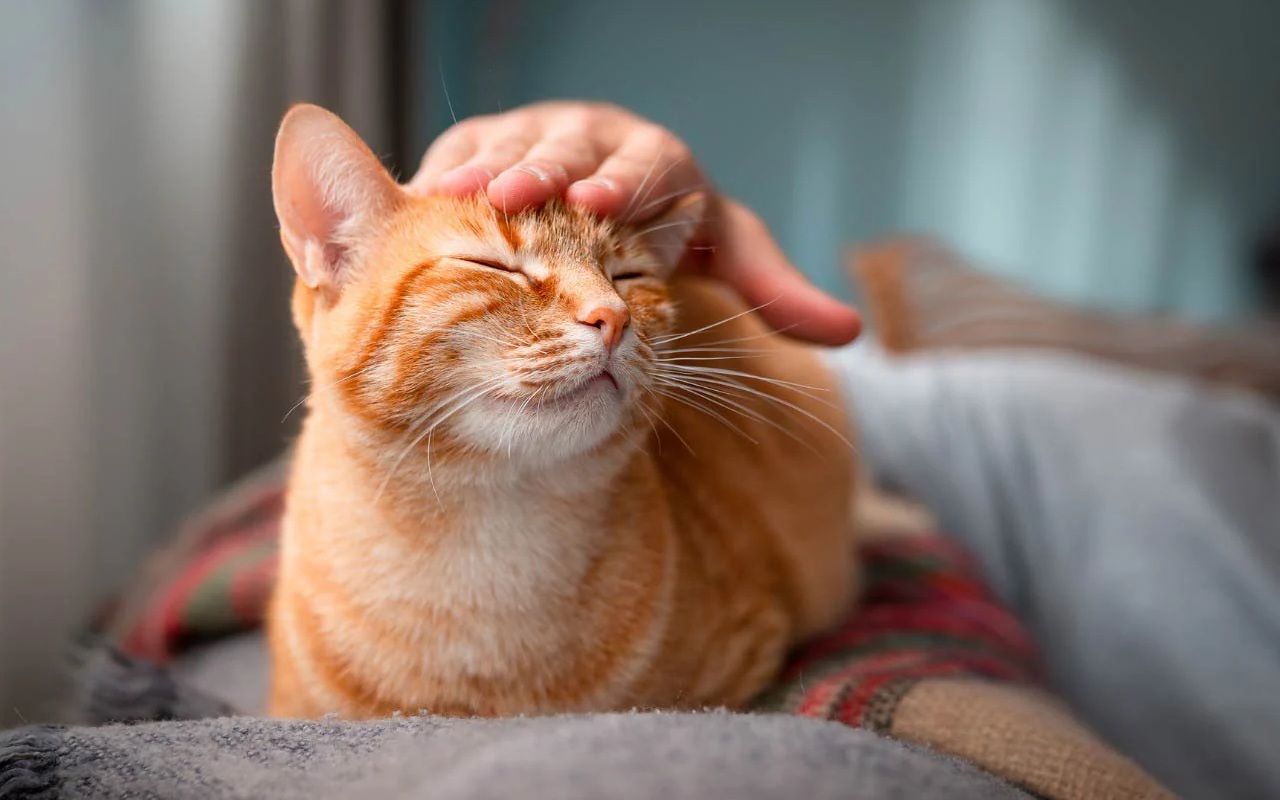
(535, 171)
(603, 183)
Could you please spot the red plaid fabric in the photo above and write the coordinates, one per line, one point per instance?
(214, 579)
(925, 612)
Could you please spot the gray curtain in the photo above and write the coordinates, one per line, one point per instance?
(340, 54)
(145, 344)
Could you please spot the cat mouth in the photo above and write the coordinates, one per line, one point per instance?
(602, 380)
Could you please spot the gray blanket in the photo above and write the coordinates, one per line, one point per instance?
(1131, 521)
(624, 756)
(184, 740)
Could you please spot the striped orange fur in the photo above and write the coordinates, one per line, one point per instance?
(536, 475)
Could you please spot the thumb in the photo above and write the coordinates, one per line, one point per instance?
(748, 259)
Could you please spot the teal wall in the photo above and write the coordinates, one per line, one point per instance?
(1119, 155)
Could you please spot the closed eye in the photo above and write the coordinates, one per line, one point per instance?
(486, 262)
(628, 276)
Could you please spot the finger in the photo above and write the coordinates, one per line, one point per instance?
(649, 169)
(451, 149)
(489, 160)
(748, 258)
(545, 172)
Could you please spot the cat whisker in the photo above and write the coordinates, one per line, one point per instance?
(769, 334)
(431, 477)
(506, 219)
(648, 418)
(644, 210)
(444, 85)
(629, 433)
(649, 414)
(660, 418)
(525, 316)
(730, 384)
(506, 339)
(733, 373)
(509, 434)
(710, 348)
(691, 403)
(684, 359)
(721, 396)
(639, 212)
(326, 387)
(403, 453)
(662, 340)
(494, 335)
(626, 214)
(684, 223)
(451, 406)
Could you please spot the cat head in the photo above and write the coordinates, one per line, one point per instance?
(526, 336)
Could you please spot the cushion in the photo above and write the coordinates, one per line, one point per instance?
(922, 297)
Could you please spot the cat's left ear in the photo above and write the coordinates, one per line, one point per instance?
(667, 235)
(330, 192)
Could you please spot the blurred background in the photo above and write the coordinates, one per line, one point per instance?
(1119, 156)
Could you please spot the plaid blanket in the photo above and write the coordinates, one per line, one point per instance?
(928, 656)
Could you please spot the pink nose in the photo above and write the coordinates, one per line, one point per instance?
(611, 320)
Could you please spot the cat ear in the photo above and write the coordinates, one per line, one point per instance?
(329, 190)
(667, 235)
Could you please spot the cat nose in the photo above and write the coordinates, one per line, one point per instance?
(611, 320)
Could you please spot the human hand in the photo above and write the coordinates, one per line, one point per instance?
(617, 164)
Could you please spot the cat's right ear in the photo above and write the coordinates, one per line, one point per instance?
(330, 190)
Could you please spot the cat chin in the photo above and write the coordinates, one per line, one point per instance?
(546, 432)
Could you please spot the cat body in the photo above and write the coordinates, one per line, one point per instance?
(537, 474)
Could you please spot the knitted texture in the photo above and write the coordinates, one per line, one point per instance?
(924, 614)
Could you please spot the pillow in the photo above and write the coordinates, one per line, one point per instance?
(922, 297)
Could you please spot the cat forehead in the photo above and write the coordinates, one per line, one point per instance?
(554, 231)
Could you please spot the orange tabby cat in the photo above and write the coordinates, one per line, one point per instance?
(536, 476)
